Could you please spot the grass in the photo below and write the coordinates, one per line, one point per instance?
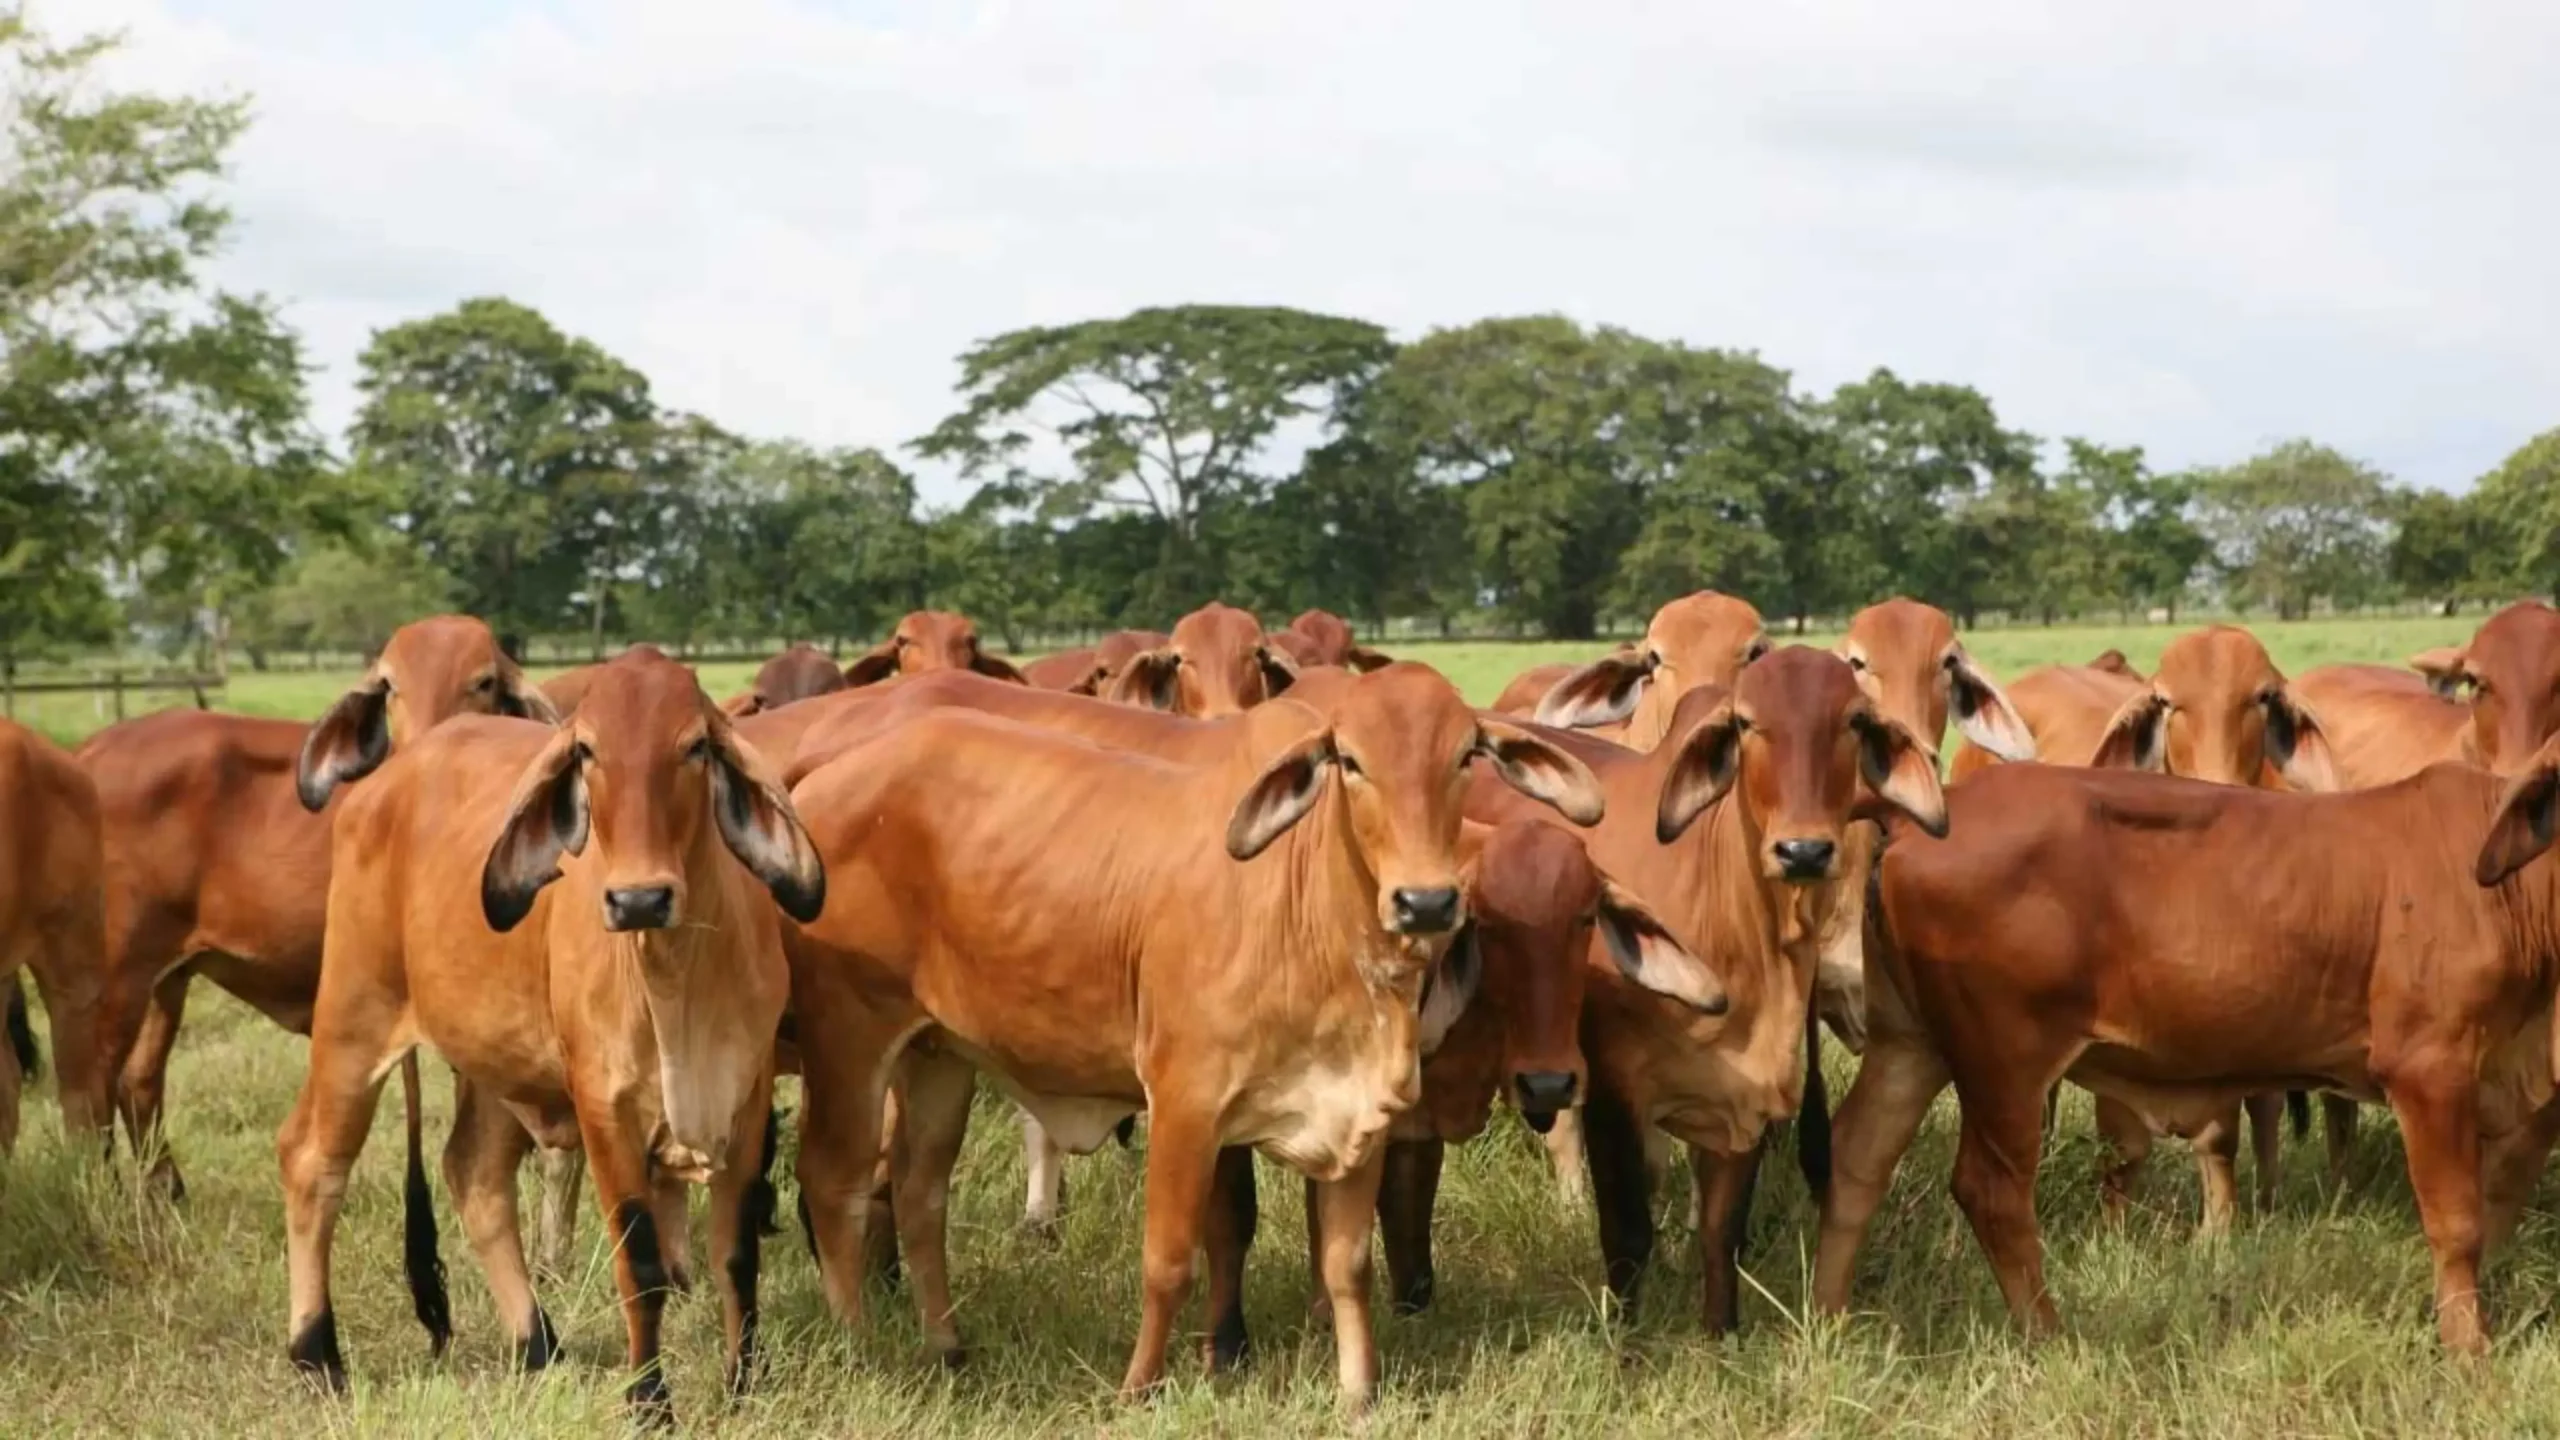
(123, 1315)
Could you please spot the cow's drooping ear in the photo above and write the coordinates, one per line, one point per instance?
(1449, 989)
(1983, 714)
(2297, 744)
(1603, 692)
(2137, 736)
(1901, 771)
(1280, 796)
(523, 699)
(547, 818)
(873, 665)
(347, 743)
(1364, 659)
(995, 667)
(756, 819)
(2443, 668)
(2526, 821)
(1150, 680)
(738, 707)
(2113, 662)
(1541, 770)
(1279, 671)
(1651, 956)
(1702, 768)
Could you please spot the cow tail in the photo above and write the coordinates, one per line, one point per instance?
(2297, 1103)
(1813, 1120)
(418, 1220)
(22, 1035)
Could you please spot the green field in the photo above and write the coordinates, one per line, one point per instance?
(119, 1314)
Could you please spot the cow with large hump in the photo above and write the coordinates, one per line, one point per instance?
(2215, 709)
(1733, 832)
(928, 640)
(52, 922)
(1091, 670)
(1237, 945)
(216, 835)
(2177, 946)
(801, 672)
(582, 921)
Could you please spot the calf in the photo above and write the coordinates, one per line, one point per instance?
(2495, 701)
(1091, 671)
(928, 640)
(1236, 945)
(802, 672)
(52, 922)
(2176, 946)
(630, 1008)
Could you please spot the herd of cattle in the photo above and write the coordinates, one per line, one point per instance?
(1278, 892)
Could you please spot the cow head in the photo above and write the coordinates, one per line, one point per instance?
(1324, 638)
(1909, 662)
(650, 769)
(2510, 674)
(2218, 709)
(1217, 663)
(1397, 743)
(2527, 819)
(431, 671)
(1793, 741)
(928, 640)
(1110, 659)
(1700, 639)
(802, 672)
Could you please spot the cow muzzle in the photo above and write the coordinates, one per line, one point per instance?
(1804, 861)
(1425, 911)
(1543, 1094)
(640, 907)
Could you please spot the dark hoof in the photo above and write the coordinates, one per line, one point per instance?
(537, 1351)
(650, 1406)
(1416, 1297)
(316, 1356)
(1044, 1231)
(167, 1183)
(954, 1359)
(1230, 1346)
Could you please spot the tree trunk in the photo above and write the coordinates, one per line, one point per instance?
(595, 637)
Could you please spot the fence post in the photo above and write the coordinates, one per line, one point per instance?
(116, 677)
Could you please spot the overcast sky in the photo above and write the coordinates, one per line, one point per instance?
(2195, 228)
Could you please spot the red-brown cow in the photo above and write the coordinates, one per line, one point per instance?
(1092, 670)
(1700, 639)
(2176, 946)
(2382, 727)
(1320, 637)
(802, 672)
(1217, 663)
(52, 920)
(928, 640)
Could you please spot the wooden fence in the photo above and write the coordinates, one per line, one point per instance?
(204, 687)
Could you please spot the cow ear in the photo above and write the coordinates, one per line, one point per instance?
(347, 743)
(1603, 692)
(873, 665)
(1983, 714)
(1650, 955)
(1449, 988)
(1901, 771)
(1094, 679)
(2296, 742)
(761, 828)
(1702, 768)
(2526, 821)
(1364, 659)
(546, 819)
(1280, 796)
(2137, 736)
(2113, 662)
(2443, 668)
(523, 699)
(1148, 680)
(740, 706)
(1279, 670)
(996, 668)
(1540, 769)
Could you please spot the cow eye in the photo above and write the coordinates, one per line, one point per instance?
(485, 684)
(1950, 662)
(1349, 765)
(1858, 662)
(699, 749)
(1758, 648)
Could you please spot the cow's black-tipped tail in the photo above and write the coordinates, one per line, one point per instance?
(419, 1257)
(22, 1033)
(1813, 1119)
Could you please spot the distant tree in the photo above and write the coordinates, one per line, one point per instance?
(2445, 548)
(2520, 503)
(340, 598)
(2298, 524)
(996, 567)
(1917, 461)
(1165, 411)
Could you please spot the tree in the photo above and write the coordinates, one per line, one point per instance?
(344, 599)
(2445, 548)
(2519, 502)
(995, 567)
(1165, 411)
(1918, 461)
(2298, 524)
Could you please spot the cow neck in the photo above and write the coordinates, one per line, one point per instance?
(1331, 905)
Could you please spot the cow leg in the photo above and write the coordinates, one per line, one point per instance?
(561, 1171)
(1345, 1212)
(2512, 1163)
(1564, 1150)
(69, 963)
(482, 1158)
(934, 1092)
(672, 1208)
(1724, 1204)
(2439, 1110)
(621, 1173)
(738, 1213)
(1407, 1194)
(1897, 1081)
(10, 1079)
(1234, 1216)
(841, 1092)
(1182, 1163)
(1045, 1166)
(1995, 1184)
(314, 1151)
(2128, 1140)
(2338, 1121)
(2217, 1150)
(880, 1260)
(1621, 1191)
(142, 1087)
(2266, 1144)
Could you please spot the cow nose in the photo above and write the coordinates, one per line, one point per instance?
(1803, 859)
(1426, 912)
(1542, 1094)
(644, 907)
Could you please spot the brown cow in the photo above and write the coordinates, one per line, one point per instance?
(2383, 727)
(1700, 639)
(1733, 832)
(567, 688)
(1090, 671)
(632, 1006)
(802, 672)
(1320, 637)
(2216, 709)
(1076, 921)
(1217, 663)
(1521, 696)
(52, 921)
(2176, 946)
(928, 640)
(215, 863)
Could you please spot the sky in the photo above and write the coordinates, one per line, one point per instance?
(2200, 229)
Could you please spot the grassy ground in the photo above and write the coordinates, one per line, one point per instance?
(122, 1315)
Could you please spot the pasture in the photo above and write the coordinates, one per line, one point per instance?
(120, 1314)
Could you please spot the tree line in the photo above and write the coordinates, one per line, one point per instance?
(160, 476)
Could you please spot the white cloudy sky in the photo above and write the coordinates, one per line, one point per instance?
(2197, 228)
